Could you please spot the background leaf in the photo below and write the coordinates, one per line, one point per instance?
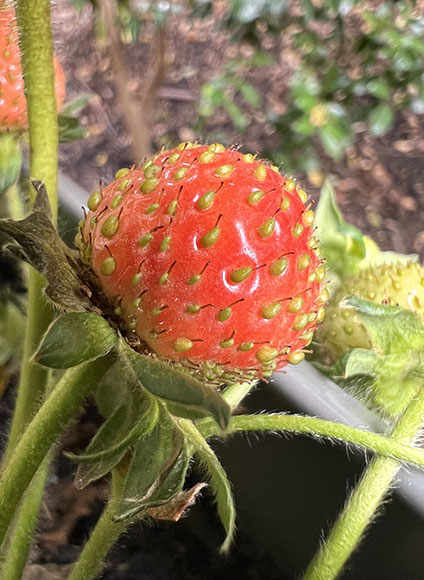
(381, 119)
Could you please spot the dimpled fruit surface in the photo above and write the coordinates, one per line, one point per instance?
(208, 256)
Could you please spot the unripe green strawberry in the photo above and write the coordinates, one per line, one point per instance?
(13, 108)
(208, 256)
(395, 284)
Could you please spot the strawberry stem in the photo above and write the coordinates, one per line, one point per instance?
(104, 535)
(19, 540)
(366, 498)
(394, 450)
(37, 65)
(52, 419)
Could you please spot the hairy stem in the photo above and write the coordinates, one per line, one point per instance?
(24, 524)
(38, 70)
(104, 535)
(46, 427)
(37, 64)
(385, 446)
(360, 508)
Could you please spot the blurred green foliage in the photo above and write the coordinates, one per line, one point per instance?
(231, 87)
(354, 65)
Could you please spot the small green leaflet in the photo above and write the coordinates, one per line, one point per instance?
(74, 338)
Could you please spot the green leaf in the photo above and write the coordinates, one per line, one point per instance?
(381, 119)
(262, 59)
(218, 480)
(70, 129)
(130, 422)
(379, 87)
(391, 329)
(304, 126)
(153, 457)
(75, 338)
(181, 390)
(10, 160)
(250, 94)
(173, 482)
(335, 138)
(236, 115)
(69, 126)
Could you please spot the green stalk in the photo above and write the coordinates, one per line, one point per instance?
(385, 446)
(37, 64)
(49, 423)
(19, 539)
(104, 535)
(38, 69)
(360, 508)
(24, 524)
(14, 202)
(236, 392)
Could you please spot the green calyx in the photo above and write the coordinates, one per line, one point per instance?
(395, 284)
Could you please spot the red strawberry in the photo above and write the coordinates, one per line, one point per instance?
(209, 256)
(13, 109)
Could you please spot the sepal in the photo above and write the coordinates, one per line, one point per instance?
(344, 247)
(75, 338)
(389, 375)
(132, 421)
(151, 461)
(185, 395)
(37, 242)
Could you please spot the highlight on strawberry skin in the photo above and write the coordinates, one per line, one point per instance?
(13, 107)
(207, 255)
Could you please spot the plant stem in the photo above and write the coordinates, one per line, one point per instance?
(46, 427)
(104, 535)
(38, 70)
(36, 44)
(19, 542)
(236, 392)
(15, 204)
(37, 65)
(361, 506)
(385, 446)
